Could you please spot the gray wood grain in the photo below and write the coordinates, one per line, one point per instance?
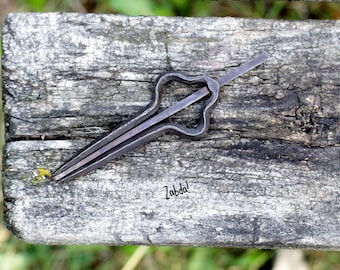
(265, 175)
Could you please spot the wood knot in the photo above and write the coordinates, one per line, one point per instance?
(305, 114)
(304, 118)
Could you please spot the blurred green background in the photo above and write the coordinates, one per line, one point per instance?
(15, 254)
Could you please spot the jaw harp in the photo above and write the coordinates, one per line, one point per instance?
(149, 124)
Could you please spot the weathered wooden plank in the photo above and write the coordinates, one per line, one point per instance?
(266, 175)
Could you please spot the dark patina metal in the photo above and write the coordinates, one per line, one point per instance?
(149, 124)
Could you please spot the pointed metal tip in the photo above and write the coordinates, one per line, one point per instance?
(263, 56)
(55, 178)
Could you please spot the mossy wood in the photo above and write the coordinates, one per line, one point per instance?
(266, 174)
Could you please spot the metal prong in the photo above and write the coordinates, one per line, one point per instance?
(145, 126)
(100, 153)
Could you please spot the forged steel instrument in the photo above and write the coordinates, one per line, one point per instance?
(150, 124)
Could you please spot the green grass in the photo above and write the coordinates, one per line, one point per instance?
(253, 9)
(17, 255)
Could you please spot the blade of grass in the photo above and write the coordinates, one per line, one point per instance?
(135, 258)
